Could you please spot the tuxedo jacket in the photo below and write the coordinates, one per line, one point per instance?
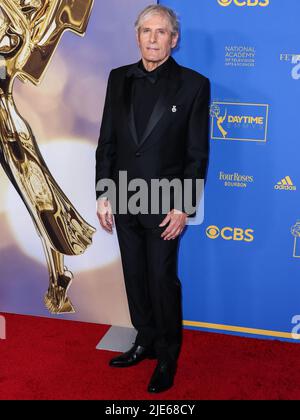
(175, 141)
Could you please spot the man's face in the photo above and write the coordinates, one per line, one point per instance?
(155, 38)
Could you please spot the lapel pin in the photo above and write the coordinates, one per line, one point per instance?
(174, 109)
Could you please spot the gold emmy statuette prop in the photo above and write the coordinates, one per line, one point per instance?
(30, 31)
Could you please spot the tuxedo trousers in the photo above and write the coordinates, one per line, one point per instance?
(153, 288)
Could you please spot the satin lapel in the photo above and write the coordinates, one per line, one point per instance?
(129, 108)
(171, 87)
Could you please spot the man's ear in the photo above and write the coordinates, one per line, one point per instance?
(137, 34)
(174, 40)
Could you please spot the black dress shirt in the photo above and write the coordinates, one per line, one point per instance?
(145, 94)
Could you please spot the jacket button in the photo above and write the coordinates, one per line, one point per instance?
(138, 154)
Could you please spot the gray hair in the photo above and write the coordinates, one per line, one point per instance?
(159, 10)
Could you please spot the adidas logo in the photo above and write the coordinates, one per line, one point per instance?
(285, 184)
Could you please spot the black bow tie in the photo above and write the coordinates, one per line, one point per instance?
(140, 74)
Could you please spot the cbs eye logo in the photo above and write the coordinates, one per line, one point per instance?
(230, 234)
(242, 3)
(224, 2)
(213, 232)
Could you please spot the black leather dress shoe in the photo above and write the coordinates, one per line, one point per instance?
(133, 356)
(163, 377)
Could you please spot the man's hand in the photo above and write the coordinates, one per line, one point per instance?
(177, 221)
(105, 215)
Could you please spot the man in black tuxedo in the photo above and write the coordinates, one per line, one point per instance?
(155, 126)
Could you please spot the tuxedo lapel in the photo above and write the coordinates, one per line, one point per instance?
(167, 94)
(129, 111)
(171, 87)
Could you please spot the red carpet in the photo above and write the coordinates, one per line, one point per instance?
(54, 359)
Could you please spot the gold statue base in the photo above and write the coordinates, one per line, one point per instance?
(67, 307)
(56, 299)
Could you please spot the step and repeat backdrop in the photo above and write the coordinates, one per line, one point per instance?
(241, 266)
(239, 262)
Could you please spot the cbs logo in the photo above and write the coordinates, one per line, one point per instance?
(242, 3)
(230, 234)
